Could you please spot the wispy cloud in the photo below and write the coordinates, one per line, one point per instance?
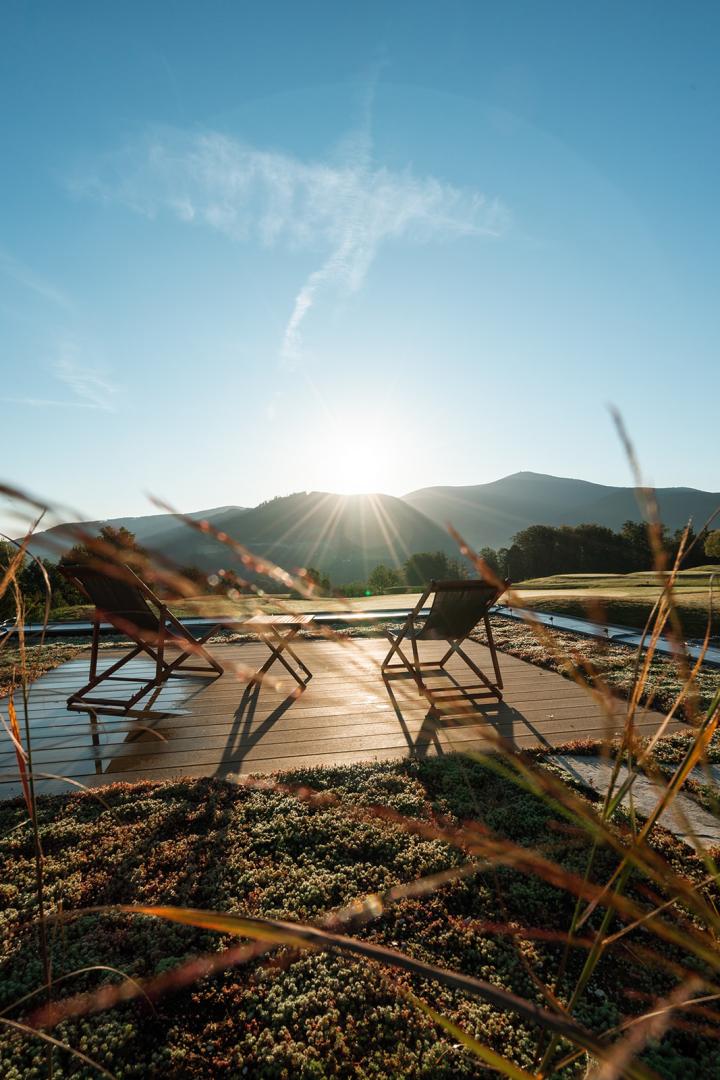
(346, 209)
(12, 268)
(47, 403)
(89, 388)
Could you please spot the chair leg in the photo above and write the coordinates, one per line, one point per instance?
(81, 696)
(416, 665)
(277, 647)
(493, 653)
(387, 668)
(495, 689)
(395, 643)
(155, 647)
(94, 647)
(160, 648)
(415, 668)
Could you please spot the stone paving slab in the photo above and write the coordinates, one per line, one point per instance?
(685, 818)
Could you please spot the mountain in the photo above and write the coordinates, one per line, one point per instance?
(343, 536)
(490, 514)
(346, 536)
(151, 530)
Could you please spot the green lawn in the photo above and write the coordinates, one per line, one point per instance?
(696, 578)
(626, 599)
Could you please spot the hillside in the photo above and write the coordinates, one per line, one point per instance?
(343, 536)
(490, 514)
(155, 531)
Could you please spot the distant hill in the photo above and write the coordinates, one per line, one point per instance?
(490, 514)
(347, 536)
(343, 536)
(151, 530)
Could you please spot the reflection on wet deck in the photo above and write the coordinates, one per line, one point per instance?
(198, 726)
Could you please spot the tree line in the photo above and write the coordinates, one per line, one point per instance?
(416, 572)
(544, 550)
(538, 551)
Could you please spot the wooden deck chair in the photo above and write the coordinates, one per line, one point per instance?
(122, 599)
(457, 608)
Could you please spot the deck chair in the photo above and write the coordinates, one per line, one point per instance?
(122, 599)
(457, 608)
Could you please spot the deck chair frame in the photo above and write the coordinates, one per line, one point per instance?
(168, 631)
(411, 631)
(279, 643)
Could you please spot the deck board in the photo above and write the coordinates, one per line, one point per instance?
(205, 727)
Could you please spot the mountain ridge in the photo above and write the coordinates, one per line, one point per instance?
(490, 514)
(346, 536)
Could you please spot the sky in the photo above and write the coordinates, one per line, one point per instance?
(249, 249)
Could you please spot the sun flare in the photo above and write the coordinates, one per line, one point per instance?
(360, 469)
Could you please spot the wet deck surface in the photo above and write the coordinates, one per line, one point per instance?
(347, 713)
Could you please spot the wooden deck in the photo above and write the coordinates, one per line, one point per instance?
(205, 726)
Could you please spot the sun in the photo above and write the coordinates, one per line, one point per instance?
(355, 467)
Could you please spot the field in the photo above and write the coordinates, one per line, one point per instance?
(627, 599)
(690, 583)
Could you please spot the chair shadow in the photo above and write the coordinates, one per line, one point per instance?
(143, 717)
(461, 706)
(243, 737)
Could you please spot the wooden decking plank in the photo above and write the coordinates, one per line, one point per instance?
(344, 714)
(9, 787)
(290, 719)
(248, 752)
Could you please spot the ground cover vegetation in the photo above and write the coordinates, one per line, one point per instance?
(265, 852)
(603, 663)
(435, 917)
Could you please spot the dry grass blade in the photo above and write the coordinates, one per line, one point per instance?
(35, 774)
(252, 562)
(474, 1046)
(372, 906)
(276, 932)
(43, 573)
(665, 609)
(557, 794)
(112, 994)
(52, 1042)
(13, 731)
(137, 986)
(709, 880)
(651, 1026)
(695, 751)
(477, 842)
(355, 914)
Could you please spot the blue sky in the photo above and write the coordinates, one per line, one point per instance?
(251, 249)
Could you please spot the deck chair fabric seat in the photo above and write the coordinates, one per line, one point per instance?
(122, 599)
(457, 608)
